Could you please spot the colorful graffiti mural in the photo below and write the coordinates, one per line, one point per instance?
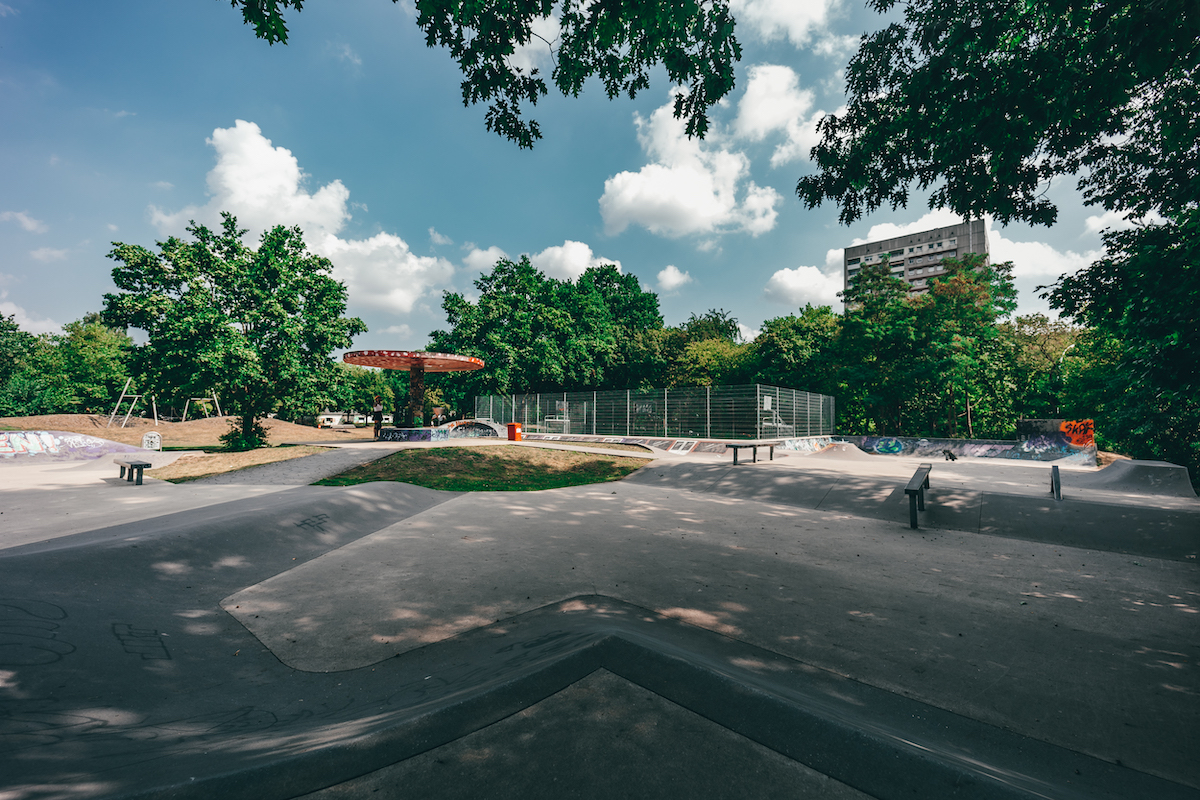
(1057, 445)
(57, 446)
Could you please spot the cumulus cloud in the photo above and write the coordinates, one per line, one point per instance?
(437, 238)
(670, 278)
(777, 19)
(748, 334)
(47, 254)
(381, 272)
(688, 188)
(263, 186)
(399, 330)
(483, 260)
(569, 260)
(775, 103)
(1117, 220)
(537, 53)
(25, 321)
(801, 285)
(23, 219)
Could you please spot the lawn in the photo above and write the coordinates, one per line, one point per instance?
(497, 468)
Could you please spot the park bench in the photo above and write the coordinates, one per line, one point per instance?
(916, 493)
(753, 447)
(132, 465)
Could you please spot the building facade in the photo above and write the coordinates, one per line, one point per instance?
(917, 257)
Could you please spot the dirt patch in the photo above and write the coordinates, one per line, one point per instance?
(633, 448)
(199, 433)
(191, 467)
(1104, 458)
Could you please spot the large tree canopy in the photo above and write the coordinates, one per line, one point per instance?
(988, 100)
(617, 41)
(255, 325)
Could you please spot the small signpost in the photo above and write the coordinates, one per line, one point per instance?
(152, 441)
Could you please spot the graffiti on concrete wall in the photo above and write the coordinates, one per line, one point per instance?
(807, 444)
(414, 435)
(27, 443)
(57, 446)
(1053, 446)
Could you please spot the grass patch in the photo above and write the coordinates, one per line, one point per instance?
(218, 462)
(496, 468)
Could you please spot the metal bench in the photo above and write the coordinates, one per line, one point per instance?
(753, 449)
(132, 466)
(916, 493)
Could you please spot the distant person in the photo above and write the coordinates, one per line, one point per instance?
(377, 415)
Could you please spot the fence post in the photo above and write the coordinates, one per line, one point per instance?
(665, 412)
(627, 412)
(707, 412)
(757, 411)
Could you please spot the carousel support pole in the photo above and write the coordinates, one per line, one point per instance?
(416, 394)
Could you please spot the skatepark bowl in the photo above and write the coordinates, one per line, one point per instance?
(695, 630)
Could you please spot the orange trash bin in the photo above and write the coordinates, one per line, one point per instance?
(514, 431)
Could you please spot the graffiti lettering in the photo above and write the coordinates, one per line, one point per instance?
(1080, 432)
(316, 523)
(28, 633)
(13, 443)
(141, 642)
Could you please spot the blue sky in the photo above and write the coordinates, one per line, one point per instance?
(122, 121)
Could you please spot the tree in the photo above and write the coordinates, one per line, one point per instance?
(93, 361)
(255, 325)
(991, 99)
(799, 351)
(1143, 301)
(878, 346)
(617, 41)
(967, 364)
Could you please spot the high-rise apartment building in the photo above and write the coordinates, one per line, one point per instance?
(916, 257)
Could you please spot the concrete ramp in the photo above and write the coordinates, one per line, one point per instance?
(1136, 477)
(20, 446)
(844, 451)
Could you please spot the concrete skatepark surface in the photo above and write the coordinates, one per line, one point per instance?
(776, 626)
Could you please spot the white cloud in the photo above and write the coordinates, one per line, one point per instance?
(775, 19)
(688, 189)
(25, 321)
(1117, 220)
(483, 260)
(801, 285)
(569, 260)
(437, 238)
(163, 185)
(838, 47)
(537, 53)
(398, 330)
(112, 227)
(1037, 260)
(938, 218)
(381, 272)
(774, 102)
(23, 219)
(263, 186)
(47, 254)
(346, 53)
(670, 278)
(6, 10)
(748, 334)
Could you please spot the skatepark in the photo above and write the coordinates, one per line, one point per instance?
(774, 629)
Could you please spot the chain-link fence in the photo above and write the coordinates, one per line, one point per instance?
(752, 411)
